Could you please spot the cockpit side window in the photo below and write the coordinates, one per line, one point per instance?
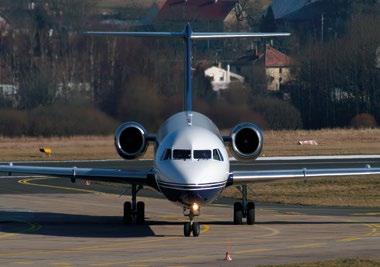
(167, 154)
(181, 154)
(202, 154)
(217, 155)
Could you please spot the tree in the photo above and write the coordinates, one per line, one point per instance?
(37, 88)
(268, 23)
(338, 79)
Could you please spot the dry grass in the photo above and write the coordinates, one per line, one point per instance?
(66, 148)
(334, 263)
(345, 192)
(330, 142)
(277, 143)
(83, 147)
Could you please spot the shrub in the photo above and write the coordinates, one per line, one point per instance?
(60, 120)
(279, 114)
(13, 122)
(363, 120)
(141, 102)
(57, 120)
(226, 115)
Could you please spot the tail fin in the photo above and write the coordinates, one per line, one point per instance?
(188, 36)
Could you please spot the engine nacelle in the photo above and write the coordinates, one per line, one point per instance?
(131, 140)
(247, 141)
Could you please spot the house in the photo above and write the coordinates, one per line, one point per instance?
(9, 92)
(311, 19)
(277, 68)
(222, 78)
(269, 69)
(202, 12)
(188, 10)
(297, 10)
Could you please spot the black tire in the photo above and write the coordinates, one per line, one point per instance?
(140, 219)
(238, 213)
(187, 229)
(250, 213)
(127, 215)
(196, 227)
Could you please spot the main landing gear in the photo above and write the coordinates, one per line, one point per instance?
(134, 212)
(191, 227)
(244, 209)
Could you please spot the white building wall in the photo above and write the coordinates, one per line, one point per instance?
(277, 76)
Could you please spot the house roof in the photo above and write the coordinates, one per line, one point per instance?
(179, 10)
(297, 9)
(274, 58)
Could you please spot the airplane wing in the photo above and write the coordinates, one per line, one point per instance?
(95, 174)
(244, 177)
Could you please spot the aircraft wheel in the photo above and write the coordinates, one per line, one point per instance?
(127, 215)
(140, 212)
(238, 213)
(196, 228)
(250, 213)
(187, 229)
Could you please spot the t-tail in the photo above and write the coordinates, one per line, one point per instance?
(188, 36)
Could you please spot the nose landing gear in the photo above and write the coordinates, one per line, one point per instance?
(244, 209)
(134, 212)
(191, 227)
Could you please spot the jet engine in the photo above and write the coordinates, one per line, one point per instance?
(131, 140)
(246, 141)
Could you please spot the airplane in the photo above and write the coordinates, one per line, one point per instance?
(191, 163)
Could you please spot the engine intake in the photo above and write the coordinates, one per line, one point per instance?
(247, 141)
(131, 140)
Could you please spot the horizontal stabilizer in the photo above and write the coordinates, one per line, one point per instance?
(192, 35)
(136, 34)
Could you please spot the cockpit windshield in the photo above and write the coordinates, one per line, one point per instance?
(181, 154)
(202, 154)
(217, 155)
(184, 154)
(167, 154)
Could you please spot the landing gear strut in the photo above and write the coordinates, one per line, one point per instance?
(244, 209)
(191, 227)
(134, 212)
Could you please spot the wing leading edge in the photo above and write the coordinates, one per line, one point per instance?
(244, 177)
(95, 174)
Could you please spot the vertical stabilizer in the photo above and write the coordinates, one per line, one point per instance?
(188, 96)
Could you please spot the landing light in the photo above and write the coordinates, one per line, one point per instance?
(195, 207)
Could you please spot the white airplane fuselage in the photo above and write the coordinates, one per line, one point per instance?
(191, 161)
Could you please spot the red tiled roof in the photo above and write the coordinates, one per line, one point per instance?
(274, 58)
(194, 9)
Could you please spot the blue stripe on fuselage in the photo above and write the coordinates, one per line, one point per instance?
(187, 197)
